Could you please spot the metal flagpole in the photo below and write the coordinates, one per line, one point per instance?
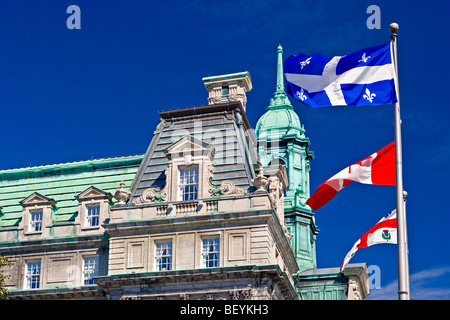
(402, 241)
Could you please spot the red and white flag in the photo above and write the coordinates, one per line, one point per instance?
(385, 231)
(379, 168)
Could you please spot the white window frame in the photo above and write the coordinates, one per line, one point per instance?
(90, 218)
(91, 267)
(207, 253)
(164, 259)
(192, 174)
(33, 272)
(35, 226)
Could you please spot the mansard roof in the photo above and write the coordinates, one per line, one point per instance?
(224, 127)
(61, 183)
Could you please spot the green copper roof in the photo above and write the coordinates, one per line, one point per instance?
(62, 182)
(280, 118)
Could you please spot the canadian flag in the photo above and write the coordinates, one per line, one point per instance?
(385, 231)
(379, 168)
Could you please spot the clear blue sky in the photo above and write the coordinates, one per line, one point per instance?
(68, 95)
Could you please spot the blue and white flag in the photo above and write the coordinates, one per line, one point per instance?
(361, 78)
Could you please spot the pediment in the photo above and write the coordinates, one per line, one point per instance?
(189, 145)
(37, 199)
(93, 192)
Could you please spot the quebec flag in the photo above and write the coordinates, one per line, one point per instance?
(361, 78)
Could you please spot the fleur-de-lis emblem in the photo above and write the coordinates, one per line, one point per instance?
(301, 95)
(364, 58)
(304, 63)
(369, 96)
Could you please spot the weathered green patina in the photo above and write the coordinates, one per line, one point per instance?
(62, 182)
(282, 141)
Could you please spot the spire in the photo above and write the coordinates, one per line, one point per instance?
(280, 99)
(280, 82)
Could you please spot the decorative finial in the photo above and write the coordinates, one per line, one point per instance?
(121, 194)
(393, 28)
(280, 84)
(280, 99)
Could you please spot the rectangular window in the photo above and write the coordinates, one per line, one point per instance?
(33, 275)
(36, 221)
(93, 216)
(189, 184)
(163, 255)
(90, 269)
(225, 90)
(210, 252)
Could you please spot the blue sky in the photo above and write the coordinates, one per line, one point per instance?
(68, 95)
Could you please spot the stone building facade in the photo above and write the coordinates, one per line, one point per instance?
(205, 213)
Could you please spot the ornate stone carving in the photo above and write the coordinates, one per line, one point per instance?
(247, 294)
(185, 296)
(121, 194)
(286, 232)
(260, 181)
(152, 195)
(234, 295)
(227, 187)
(354, 291)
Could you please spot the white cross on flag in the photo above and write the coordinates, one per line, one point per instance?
(361, 78)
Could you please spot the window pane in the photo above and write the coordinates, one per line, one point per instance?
(33, 275)
(210, 252)
(189, 184)
(163, 255)
(36, 221)
(90, 269)
(93, 216)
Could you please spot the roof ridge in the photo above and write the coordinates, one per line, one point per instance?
(69, 167)
(71, 162)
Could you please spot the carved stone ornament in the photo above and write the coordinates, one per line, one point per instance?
(234, 294)
(286, 233)
(152, 195)
(185, 296)
(121, 194)
(260, 181)
(226, 188)
(354, 290)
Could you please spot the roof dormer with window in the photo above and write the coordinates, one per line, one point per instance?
(36, 217)
(93, 210)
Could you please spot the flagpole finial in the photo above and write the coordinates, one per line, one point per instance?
(393, 28)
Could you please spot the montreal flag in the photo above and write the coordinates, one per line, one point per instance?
(361, 78)
(385, 231)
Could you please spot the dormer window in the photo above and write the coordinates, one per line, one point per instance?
(189, 170)
(93, 209)
(37, 215)
(188, 183)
